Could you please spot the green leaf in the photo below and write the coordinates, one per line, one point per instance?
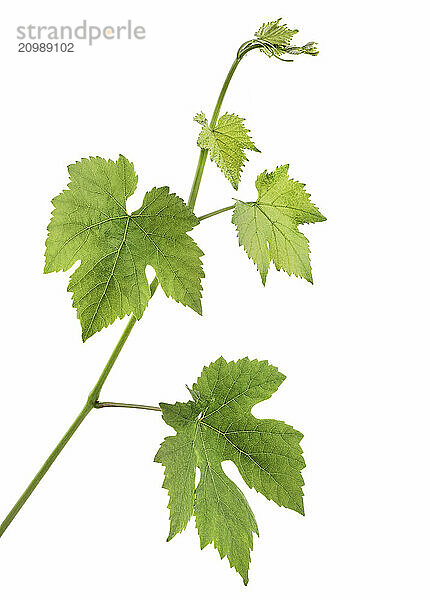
(276, 34)
(275, 40)
(90, 223)
(226, 143)
(267, 228)
(218, 425)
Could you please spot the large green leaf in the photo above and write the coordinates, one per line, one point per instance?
(90, 224)
(217, 425)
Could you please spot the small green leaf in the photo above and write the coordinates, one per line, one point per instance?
(90, 223)
(275, 33)
(226, 143)
(275, 40)
(267, 228)
(218, 425)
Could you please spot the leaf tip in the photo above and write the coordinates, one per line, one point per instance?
(301, 508)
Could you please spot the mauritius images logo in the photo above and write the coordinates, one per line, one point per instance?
(84, 31)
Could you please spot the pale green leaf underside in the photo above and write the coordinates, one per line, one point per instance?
(226, 143)
(215, 426)
(268, 228)
(90, 224)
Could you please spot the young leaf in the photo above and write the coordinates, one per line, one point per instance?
(267, 228)
(226, 143)
(218, 425)
(90, 223)
(276, 34)
(275, 40)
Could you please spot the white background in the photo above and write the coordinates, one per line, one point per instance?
(353, 125)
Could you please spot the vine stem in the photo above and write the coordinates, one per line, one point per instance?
(204, 153)
(44, 468)
(89, 405)
(92, 401)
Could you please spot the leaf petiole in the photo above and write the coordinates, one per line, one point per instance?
(216, 212)
(124, 405)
